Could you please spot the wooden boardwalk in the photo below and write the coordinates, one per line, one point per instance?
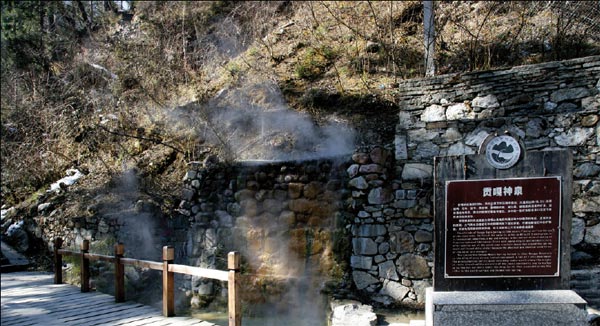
(31, 298)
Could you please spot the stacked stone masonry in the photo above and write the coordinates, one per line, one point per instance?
(554, 105)
(392, 232)
(284, 218)
(380, 199)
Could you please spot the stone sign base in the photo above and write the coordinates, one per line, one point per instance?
(499, 308)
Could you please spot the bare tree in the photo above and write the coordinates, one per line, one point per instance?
(429, 37)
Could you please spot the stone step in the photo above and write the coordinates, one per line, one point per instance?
(411, 323)
(12, 260)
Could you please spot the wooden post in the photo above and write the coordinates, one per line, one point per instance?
(168, 282)
(85, 267)
(235, 300)
(57, 261)
(119, 273)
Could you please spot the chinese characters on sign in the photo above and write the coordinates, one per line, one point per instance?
(503, 228)
(502, 191)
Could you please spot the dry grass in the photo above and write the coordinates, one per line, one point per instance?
(75, 114)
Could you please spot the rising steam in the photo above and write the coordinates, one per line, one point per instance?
(254, 123)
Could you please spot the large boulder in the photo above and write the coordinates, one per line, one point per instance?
(413, 266)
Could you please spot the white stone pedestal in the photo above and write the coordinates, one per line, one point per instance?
(504, 308)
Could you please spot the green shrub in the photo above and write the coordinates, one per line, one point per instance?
(314, 62)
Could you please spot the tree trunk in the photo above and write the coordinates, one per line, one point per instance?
(84, 14)
(429, 37)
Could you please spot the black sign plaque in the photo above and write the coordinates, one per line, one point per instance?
(503, 228)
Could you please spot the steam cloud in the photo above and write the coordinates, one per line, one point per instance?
(137, 226)
(255, 123)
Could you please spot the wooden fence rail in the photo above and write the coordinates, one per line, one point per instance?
(168, 271)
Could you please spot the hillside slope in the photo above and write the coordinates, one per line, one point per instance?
(106, 91)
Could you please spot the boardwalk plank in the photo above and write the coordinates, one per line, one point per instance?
(30, 298)
(100, 311)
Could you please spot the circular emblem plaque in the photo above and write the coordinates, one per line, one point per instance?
(503, 152)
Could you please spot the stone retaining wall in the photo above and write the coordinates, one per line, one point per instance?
(546, 106)
(284, 217)
(376, 228)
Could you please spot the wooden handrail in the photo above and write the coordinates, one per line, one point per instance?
(93, 257)
(201, 272)
(142, 263)
(166, 266)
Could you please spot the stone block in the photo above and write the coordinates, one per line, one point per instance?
(400, 194)
(361, 262)
(383, 248)
(379, 155)
(196, 184)
(190, 175)
(405, 120)
(371, 168)
(421, 135)
(419, 212)
(364, 246)
(362, 280)
(188, 194)
(413, 266)
(423, 236)
(426, 150)
(589, 104)
(452, 134)
(352, 314)
(592, 234)
(353, 170)
(358, 183)
(244, 194)
(587, 205)
(225, 220)
(249, 207)
(504, 308)
(577, 230)
(301, 205)
(400, 146)
(417, 171)
(380, 196)
(401, 242)
(295, 190)
(569, 94)
(420, 287)
(313, 189)
(272, 206)
(476, 137)
(287, 218)
(574, 137)
(459, 111)
(361, 158)
(586, 170)
(434, 113)
(394, 290)
(459, 149)
(486, 102)
(369, 230)
(387, 270)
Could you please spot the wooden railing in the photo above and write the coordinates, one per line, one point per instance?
(167, 267)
